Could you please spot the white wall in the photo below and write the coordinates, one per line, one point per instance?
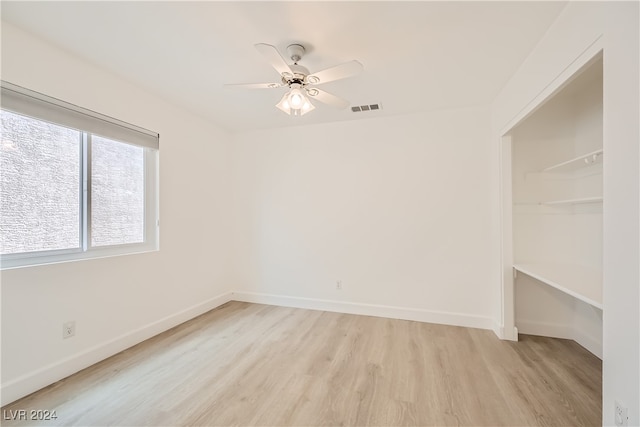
(117, 301)
(614, 25)
(397, 208)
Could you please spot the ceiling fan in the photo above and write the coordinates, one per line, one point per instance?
(300, 81)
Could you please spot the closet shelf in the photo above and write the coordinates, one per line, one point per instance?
(580, 282)
(579, 201)
(576, 163)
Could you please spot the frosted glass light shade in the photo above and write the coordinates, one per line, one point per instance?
(295, 103)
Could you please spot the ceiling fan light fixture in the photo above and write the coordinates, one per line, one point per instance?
(295, 103)
(296, 99)
(297, 78)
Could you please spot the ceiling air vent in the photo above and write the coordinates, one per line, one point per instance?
(369, 107)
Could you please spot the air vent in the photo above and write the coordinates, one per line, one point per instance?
(370, 107)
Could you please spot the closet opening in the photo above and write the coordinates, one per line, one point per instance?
(552, 218)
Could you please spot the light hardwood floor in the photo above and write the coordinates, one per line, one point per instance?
(250, 364)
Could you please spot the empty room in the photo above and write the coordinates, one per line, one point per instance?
(302, 213)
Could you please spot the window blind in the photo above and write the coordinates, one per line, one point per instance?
(33, 104)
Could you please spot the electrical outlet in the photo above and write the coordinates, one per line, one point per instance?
(68, 329)
(339, 285)
(621, 417)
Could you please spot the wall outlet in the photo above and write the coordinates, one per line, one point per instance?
(339, 285)
(621, 417)
(68, 329)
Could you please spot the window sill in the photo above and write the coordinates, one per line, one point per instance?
(9, 263)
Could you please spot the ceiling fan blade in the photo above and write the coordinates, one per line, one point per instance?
(327, 98)
(256, 85)
(338, 72)
(274, 58)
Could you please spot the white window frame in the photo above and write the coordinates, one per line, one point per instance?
(107, 127)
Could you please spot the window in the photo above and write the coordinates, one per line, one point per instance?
(117, 193)
(73, 184)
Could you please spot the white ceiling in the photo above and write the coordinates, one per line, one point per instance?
(417, 55)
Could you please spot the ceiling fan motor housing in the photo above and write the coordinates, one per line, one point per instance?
(299, 76)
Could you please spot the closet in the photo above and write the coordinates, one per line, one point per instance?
(556, 213)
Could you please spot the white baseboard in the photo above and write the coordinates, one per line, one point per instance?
(26, 384)
(498, 330)
(556, 330)
(504, 333)
(403, 313)
(593, 344)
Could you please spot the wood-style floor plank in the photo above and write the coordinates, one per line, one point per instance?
(257, 365)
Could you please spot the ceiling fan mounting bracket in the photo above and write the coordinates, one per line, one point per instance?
(296, 52)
